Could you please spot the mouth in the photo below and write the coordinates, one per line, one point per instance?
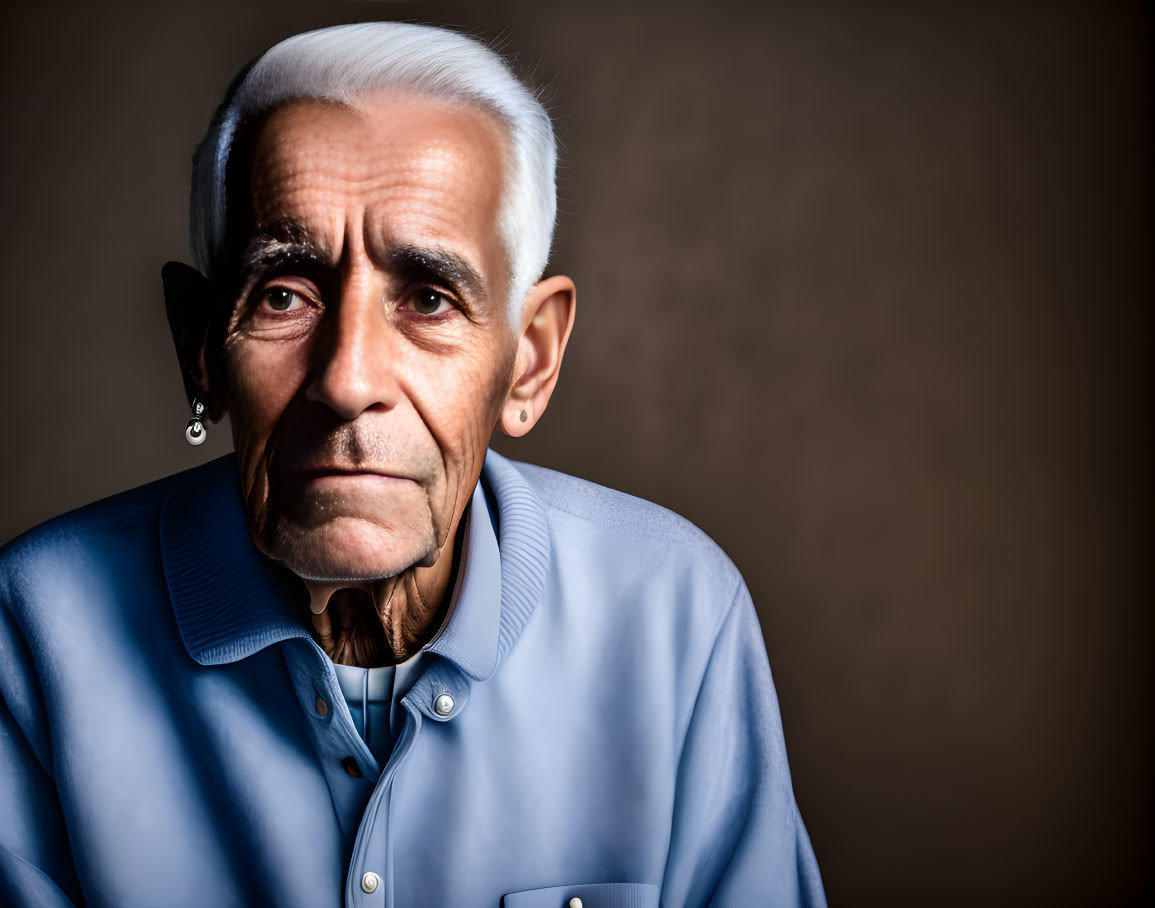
(345, 474)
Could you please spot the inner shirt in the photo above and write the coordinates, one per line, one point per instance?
(374, 699)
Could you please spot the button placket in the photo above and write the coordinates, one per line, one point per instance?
(343, 757)
(342, 737)
(373, 837)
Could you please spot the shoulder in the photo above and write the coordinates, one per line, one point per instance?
(631, 584)
(103, 534)
(626, 531)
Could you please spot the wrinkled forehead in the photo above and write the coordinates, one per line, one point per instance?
(396, 167)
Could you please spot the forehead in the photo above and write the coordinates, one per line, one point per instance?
(394, 168)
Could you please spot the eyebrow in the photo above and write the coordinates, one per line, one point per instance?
(288, 241)
(413, 264)
(283, 240)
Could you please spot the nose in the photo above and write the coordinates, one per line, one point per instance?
(356, 362)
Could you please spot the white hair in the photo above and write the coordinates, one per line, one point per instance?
(346, 62)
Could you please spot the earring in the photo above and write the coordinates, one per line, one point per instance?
(194, 432)
(523, 417)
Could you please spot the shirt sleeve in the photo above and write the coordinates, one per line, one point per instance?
(36, 867)
(737, 837)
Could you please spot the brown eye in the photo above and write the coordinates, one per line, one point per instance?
(429, 302)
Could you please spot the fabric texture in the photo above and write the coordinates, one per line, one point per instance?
(170, 733)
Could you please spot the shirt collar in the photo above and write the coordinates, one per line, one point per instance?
(231, 601)
(469, 634)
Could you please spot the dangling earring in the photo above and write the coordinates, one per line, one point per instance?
(194, 432)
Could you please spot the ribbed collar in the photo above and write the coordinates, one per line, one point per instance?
(231, 601)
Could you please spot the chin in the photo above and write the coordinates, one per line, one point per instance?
(351, 550)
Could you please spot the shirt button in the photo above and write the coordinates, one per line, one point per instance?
(369, 881)
(351, 767)
(575, 903)
(443, 705)
(322, 707)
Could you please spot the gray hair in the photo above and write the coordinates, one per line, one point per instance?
(343, 63)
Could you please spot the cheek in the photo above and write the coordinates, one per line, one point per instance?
(462, 406)
(263, 377)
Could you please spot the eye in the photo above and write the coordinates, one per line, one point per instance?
(281, 300)
(430, 302)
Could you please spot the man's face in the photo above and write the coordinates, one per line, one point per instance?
(370, 349)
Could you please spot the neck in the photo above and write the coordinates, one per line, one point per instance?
(384, 622)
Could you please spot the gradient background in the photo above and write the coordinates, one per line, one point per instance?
(864, 292)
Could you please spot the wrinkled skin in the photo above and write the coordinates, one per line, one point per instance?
(371, 351)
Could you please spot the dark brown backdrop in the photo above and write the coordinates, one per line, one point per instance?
(864, 291)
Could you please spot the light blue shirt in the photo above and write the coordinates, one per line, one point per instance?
(595, 719)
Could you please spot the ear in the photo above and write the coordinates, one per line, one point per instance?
(546, 321)
(190, 303)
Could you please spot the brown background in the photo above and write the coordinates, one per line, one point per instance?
(865, 292)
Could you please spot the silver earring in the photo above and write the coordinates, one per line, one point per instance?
(194, 432)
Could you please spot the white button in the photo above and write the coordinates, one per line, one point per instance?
(443, 705)
(575, 903)
(369, 881)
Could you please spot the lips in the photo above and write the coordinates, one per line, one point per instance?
(308, 473)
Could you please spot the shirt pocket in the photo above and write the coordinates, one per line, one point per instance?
(592, 895)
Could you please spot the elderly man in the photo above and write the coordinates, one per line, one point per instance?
(364, 660)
